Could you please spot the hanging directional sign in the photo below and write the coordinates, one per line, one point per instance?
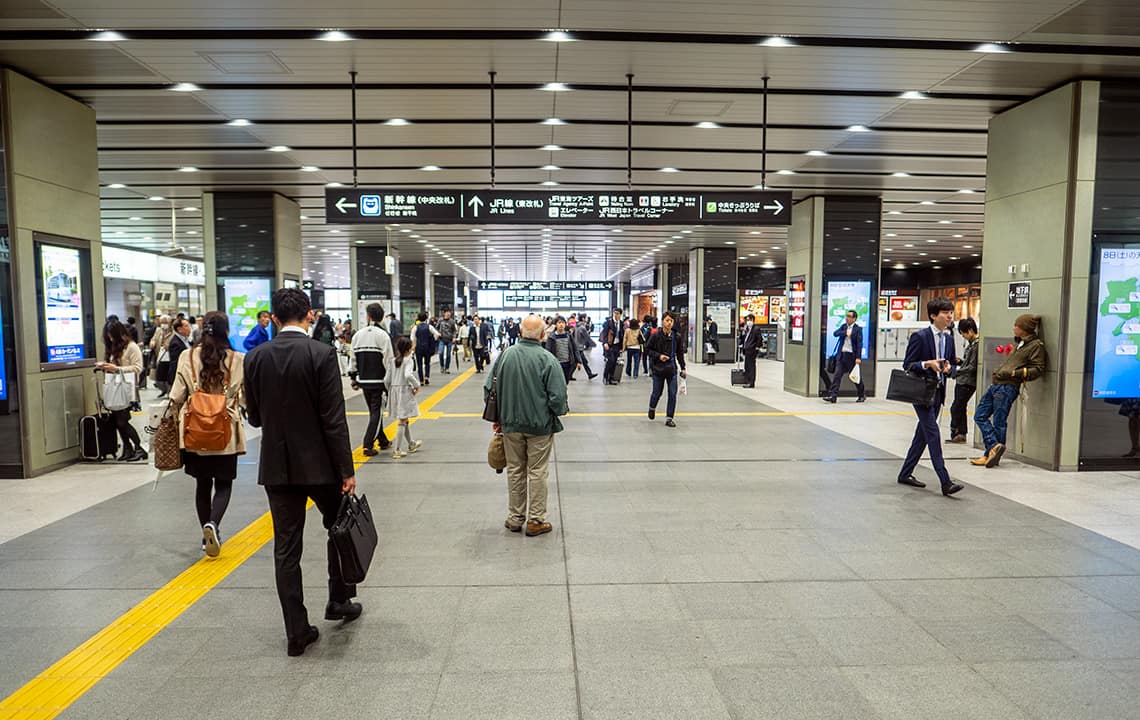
(564, 207)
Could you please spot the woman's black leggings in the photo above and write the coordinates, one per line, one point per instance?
(212, 511)
(127, 433)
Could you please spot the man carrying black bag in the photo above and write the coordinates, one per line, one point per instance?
(931, 351)
(293, 392)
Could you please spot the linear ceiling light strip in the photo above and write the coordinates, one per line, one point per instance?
(491, 74)
(352, 74)
(629, 131)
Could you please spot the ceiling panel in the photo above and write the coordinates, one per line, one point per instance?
(1016, 73)
(73, 63)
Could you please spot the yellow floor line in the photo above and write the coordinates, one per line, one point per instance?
(448, 416)
(56, 688)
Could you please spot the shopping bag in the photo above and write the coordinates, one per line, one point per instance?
(354, 536)
(683, 387)
(119, 390)
(856, 375)
(497, 453)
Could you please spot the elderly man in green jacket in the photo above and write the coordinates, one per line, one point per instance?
(531, 393)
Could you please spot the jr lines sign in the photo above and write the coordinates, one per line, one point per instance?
(564, 207)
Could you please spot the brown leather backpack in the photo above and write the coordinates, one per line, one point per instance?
(207, 426)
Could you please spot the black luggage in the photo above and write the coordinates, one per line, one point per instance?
(354, 536)
(738, 377)
(619, 368)
(97, 437)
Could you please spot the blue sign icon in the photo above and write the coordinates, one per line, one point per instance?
(370, 205)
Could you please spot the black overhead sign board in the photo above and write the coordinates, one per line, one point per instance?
(545, 285)
(562, 207)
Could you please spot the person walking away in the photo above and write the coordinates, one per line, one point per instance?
(750, 347)
(480, 339)
(965, 381)
(259, 334)
(324, 333)
(664, 349)
(212, 366)
(584, 342)
(395, 326)
(1024, 365)
(930, 352)
(712, 340)
(848, 354)
(531, 395)
(648, 324)
(424, 337)
(122, 353)
(293, 393)
(562, 346)
(403, 386)
(447, 333)
(371, 349)
(133, 329)
(610, 337)
(633, 347)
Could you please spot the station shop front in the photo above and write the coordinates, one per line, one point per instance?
(144, 285)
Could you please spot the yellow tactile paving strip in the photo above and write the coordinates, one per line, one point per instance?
(56, 688)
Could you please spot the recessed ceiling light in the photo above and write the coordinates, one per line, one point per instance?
(729, 242)
(335, 231)
(422, 242)
(968, 247)
(913, 95)
(617, 230)
(816, 153)
(430, 168)
(777, 41)
(116, 186)
(191, 232)
(548, 183)
(120, 232)
(334, 36)
(405, 230)
(239, 122)
(279, 148)
(669, 170)
(686, 232)
(966, 191)
(858, 128)
(156, 197)
(558, 36)
(992, 48)
(476, 230)
(928, 202)
(551, 148)
(550, 167)
(190, 209)
(309, 168)
(333, 184)
(706, 125)
(945, 222)
(931, 241)
(760, 187)
(958, 236)
(892, 234)
(107, 36)
(894, 212)
(188, 169)
(304, 217)
(909, 245)
(785, 172)
(900, 174)
(312, 247)
(185, 87)
(754, 232)
(552, 121)
(316, 262)
(556, 87)
(136, 218)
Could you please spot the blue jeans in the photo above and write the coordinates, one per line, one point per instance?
(632, 362)
(658, 387)
(444, 354)
(995, 404)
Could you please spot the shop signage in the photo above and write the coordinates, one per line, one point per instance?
(306, 284)
(524, 298)
(797, 309)
(133, 265)
(565, 207)
(546, 285)
(1019, 295)
(681, 289)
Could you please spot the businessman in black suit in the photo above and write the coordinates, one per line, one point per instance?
(931, 352)
(849, 353)
(293, 393)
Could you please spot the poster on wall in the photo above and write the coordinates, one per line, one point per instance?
(846, 295)
(903, 308)
(1116, 363)
(245, 298)
(721, 313)
(797, 309)
(777, 309)
(62, 303)
(755, 305)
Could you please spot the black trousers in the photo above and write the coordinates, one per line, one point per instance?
(584, 358)
(127, 432)
(568, 369)
(287, 506)
(844, 364)
(958, 422)
(481, 358)
(374, 398)
(926, 437)
(749, 367)
(611, 363)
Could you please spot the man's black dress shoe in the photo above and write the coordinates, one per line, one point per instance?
(347, 611)
(297, 647)
(912, 481)
(952, 488)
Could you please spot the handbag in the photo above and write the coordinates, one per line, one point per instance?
(497, 453)
(118, 390)
(832, 363)
(354, 536)
(491, 408)
(164, 446)
(913, 388)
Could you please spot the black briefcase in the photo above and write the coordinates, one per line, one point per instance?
(354, 535)
(916, 388)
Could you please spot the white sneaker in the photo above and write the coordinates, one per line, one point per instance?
(416, 445)
(213, 539)
(397, 454)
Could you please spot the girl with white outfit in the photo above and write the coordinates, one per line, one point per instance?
(403, 385)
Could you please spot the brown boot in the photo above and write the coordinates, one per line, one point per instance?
(534, 527)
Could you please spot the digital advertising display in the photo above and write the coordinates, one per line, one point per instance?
(61, 291)
(752, 303)
(797, 309)
(1116, 364)
(849, 295)
(245, 298)
(3, 360)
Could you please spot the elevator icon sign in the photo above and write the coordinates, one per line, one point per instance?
(370, 205)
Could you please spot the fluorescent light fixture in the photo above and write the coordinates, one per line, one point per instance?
(397, 122)
(185, 87)
(135, 218)
(909, 245)
(191, 232)
(548, 183)
(754, 232)
(430, 168)
(900, 174)
(927, 202)
(858, 128)
(116, 186)
(156, 198)
(777, 41)
(958, 236)
(550, 167)
(552, 121)
(476, 230)
(107, 36)
(405, 230)
(931, 241)
(785, 172)
(279, 148)
(556, 87)
(304, 217)
(312, 247)
(120, 232)
(669, 169)
(966, 191)
(333, 184)
(239, 122)
(668, 242)
(992, 48)
(190, 209)
(558, 36)
(309, 168)
(729, 242)
(422, 242)
(686, 232)
(816, 153)
(706, 125)
(894, 212)
(913, 95)
(551, 148)
(892, 234)
(188, 169)
(335, 232)
(335, 36)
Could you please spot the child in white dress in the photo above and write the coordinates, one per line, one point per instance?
(403, 385)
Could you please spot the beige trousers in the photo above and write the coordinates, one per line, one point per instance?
(528, 458)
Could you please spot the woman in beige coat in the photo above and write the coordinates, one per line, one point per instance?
(123, 354)
(212, 366)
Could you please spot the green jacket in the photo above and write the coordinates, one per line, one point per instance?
(1025, 364)
(531, 389)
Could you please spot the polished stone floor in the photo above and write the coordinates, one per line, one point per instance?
(747, 564)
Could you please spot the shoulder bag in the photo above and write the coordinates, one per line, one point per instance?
(118, 390)
(491, 408)
(916, 388)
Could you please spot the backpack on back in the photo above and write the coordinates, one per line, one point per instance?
(207, 426)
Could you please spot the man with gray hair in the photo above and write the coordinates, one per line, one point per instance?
(531, 393)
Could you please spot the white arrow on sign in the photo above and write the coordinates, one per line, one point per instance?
(341, 205)
(475, 203)
(776, 205)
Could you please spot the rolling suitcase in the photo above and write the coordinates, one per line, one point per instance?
(97, 435)
(619, 368)
(738, 377)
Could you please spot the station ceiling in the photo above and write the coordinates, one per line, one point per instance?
(890, 98)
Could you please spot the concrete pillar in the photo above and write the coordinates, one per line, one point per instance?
(50, 160)
(712, 285)
(369, 280)
(1040, 183)
(252, 235)
(805, 262)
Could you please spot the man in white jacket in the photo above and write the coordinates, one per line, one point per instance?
(371, 362)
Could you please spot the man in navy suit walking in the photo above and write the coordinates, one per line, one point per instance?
(931, 351)
(849, 353)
